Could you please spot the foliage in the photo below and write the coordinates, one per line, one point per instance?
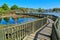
(2, 11)
(40, 10)
(56, 9)
(14, 7)
(5, 7)
(6, 19)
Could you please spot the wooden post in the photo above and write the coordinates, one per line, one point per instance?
(33, 28)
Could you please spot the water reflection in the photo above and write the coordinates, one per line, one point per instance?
(11, 21)
(3, 21)
(18, 21)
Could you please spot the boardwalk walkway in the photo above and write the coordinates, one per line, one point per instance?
(43, 34)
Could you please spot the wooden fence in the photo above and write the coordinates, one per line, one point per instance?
(18, 32)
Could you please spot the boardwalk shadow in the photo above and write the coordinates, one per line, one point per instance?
(36, 36)
(44, 35)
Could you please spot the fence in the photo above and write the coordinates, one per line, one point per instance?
(18, 32)
(55, 32)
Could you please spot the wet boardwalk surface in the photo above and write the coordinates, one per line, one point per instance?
(42, 34)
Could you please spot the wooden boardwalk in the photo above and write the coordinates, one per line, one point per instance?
(42, 34)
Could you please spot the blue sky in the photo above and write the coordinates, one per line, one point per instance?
(33, 3)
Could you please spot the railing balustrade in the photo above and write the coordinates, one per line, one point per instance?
(18, 32)
(55, 34)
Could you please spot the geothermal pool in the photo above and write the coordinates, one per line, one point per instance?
(17, 21)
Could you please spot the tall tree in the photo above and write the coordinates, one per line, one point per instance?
(14, 7)
(39, 10)
(5, 7)
(56, 9)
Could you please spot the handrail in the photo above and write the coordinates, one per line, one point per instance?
(55, 30)
(54, 35)
(31, 27)
(23, 29)
(23, 23)
(55, 23)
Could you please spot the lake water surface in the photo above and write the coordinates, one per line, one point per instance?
(56, 14)
(18, 21)
(22, 20)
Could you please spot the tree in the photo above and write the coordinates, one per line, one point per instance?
(14, 7)
(56, 9)
(5, 7)
(2, 11)
(40, 10)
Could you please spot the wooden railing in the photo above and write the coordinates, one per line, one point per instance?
(18, 32)
(55, 35)
(55, 32)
